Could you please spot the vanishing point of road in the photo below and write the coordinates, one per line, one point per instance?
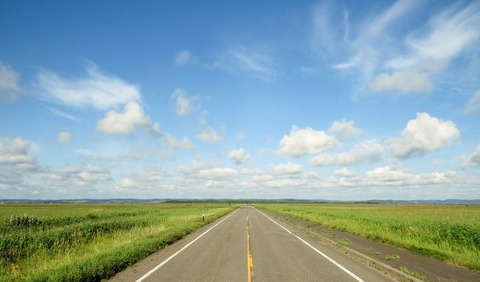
(248, 245)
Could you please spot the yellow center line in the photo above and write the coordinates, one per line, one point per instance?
(249, 255)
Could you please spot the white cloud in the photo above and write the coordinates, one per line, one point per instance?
(394, 175)
(150, 179)
(367, 151)
(173, 143)
(389, 175)
(183, 105)
(472, 160)
(287, 168)
(423, 134)
(343, 130)
(194, 167)
(64, 137)
(238, 156)
(126, 122)
(209, 135)
(302, 142)
(473, 106)
(96, 90)
(344, 173)
(217, 172)
(75, 177)
(9, 83)
(94, 174)
(286, 175)
(17, 151)
(18, 163)
(402, 81)
(184, 57)
(88, 154)
(127, 182)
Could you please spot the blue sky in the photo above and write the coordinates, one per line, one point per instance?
(342, 100)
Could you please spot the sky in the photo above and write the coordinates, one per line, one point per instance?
(340, 100)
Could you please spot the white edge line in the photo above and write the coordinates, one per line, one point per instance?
(179, 251)
(316, 250)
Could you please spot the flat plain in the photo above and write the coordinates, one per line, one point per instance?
(88, 242)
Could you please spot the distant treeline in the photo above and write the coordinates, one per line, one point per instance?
(319, 201)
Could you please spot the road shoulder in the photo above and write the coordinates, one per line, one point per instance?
(381, 256)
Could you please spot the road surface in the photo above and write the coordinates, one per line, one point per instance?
(247, 245)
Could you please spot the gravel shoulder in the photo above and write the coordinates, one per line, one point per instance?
(380, 255)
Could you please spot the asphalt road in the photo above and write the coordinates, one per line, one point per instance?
(247, 245)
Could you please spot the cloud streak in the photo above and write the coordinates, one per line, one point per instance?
(473, 105)
(251, 62)
(97, 90)
(386, 57)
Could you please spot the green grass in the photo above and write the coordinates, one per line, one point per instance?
(448, 233)
(420, 276)
(88, 242)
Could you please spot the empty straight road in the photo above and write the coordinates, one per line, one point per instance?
(247, 245)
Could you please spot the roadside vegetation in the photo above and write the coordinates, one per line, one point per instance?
(88, 242)
(447, 233)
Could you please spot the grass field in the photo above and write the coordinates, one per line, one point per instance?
(88, 242)
(448, 233)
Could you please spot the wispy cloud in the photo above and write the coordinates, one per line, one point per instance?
(371, 43)
(61, 113)
(96, 90)
(183, 104)
(173, 143)
(250, 61)
(9, 83)
(472, 160)
(184, 57)
(358, 47)
(473, 105)
(379, 25)
(448, 33)
(209, 135)
(64, 137)
(380, 50)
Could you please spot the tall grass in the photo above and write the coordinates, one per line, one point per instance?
(449, 233)
(90, 242)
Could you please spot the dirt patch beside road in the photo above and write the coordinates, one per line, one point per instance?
(421, 267)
